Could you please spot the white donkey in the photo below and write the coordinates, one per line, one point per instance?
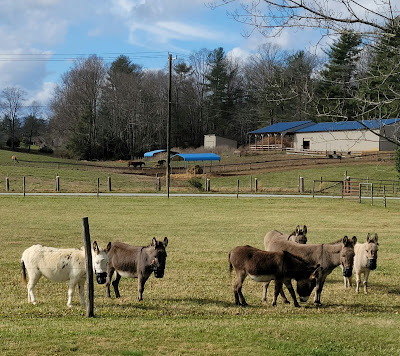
(60, 265)
(365, 258)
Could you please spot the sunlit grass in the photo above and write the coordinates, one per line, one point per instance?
(191, 310)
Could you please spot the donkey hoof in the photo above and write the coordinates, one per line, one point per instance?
(286, 302)
(297, 305)
(318, 304)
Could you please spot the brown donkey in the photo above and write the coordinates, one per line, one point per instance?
(135, 262)
(263, 266)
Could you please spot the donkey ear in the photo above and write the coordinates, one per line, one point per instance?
(345, 240)
(165, 241)
(154, 242)
(108, 248)
(354, 239)
(95, 247)
(376, 238)
(304, 229)
(317, 273)
(368, 237)
(297, 229)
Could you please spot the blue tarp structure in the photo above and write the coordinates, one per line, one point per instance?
(152, 153)
(196, 157)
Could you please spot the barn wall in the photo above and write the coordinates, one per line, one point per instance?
(213, 141)
(340, 141)
(389, 131)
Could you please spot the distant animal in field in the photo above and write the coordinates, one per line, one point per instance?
(329, 256)
(135, 262)
(60, 265)
(365, 258)
(299, 236)
(14, 159)
(136, 164)
(264, 266)
(161, 162)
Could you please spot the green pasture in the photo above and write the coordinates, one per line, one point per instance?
(191, 310)
(40, 173)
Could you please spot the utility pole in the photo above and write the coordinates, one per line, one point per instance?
(169, 123)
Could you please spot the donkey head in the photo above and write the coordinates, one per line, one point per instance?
(306, 286)
(372, 251)
(158, 256)
(300, 235)
(347, 255)
(100, 261)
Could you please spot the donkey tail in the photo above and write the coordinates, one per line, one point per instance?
(23, 273)
(230, 263)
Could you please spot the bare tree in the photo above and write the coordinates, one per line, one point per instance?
(334, 17)
(11, 103)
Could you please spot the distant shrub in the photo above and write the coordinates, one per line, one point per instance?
(196, 183)
(17, 142)
(45, 149)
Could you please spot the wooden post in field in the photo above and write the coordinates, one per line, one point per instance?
(24, 185)
(301, 185)
(158, 184)
(109, 183)
(98, 187)
(384, 196)
(256, 185)
(313, 189)
(372, 193)
(208, 185)
(251, 184)
(7, 184)
(89, 268)
(57, 183)
(237, 190)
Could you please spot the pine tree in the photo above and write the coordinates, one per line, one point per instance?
(336, 90)
(380, 91)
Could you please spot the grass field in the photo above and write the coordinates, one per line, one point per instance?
(77, 176)
(191, 310)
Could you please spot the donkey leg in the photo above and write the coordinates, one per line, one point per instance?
(141, 281)
(110, 272)
(81, 290)
(358, 281)
(318, 291)
(265, 289)
(289, 286)
(71, 291)
(115, 284)
(33, 279)
(237, 289)
(366, 275)
(278, 288)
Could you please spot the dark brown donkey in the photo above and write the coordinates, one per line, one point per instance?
(263, 266)
(135, 262)
(299, 236)
(329, 256)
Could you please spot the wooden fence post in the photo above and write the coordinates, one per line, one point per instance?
(158, 183)
(256, 185)
(208, 185)
(301, 185)
(24, 185)
(237, 189)
(384, 196)
(89, 268)
(57, 183)
(7, 184)
(109, 183)
(98, 187)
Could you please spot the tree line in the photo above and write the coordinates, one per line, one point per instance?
(115, 111)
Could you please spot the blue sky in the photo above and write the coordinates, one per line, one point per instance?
(40, 38)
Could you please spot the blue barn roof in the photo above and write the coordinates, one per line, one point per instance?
(348, 125)
(196, 157)
(282, 127)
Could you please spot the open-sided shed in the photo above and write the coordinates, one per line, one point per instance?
(196, 157)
